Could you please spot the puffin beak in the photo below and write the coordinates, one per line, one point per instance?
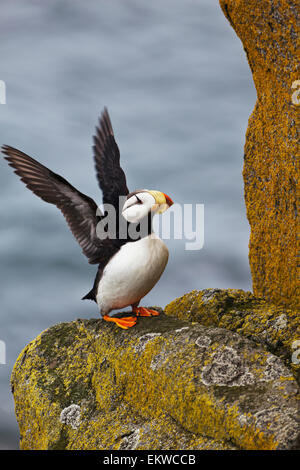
(168, 200)
(162, 202)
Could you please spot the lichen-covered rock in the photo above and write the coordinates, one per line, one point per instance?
(164, 384)
(269, 31)
(274, 327)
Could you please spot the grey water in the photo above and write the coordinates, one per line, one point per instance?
(179, 90)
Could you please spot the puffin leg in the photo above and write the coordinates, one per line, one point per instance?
(144, 312)
(125, 322)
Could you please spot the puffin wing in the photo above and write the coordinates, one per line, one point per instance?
(79, 210)
(110, 175)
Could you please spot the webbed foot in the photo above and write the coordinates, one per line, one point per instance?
(145, 312)
(125, 322)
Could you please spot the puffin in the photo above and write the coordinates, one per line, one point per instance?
(131, 258)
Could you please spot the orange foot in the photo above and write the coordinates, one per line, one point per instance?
(145, 312)
(125, 322)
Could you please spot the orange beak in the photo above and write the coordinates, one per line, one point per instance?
(168, 200)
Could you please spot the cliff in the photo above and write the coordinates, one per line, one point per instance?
(164, 384)
(269, 31)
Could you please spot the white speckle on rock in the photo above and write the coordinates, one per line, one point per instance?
(280, 322)
(157, 361)
(131, 441)
(274, 369)
(181, 329)
(208, 294)
(226, 368)
(276, 419)
(203, 342)
(143, 340)
(242, 419)
(71, 416)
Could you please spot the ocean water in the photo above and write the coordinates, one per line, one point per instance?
(179, 90)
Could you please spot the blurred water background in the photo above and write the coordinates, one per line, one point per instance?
(179, 90)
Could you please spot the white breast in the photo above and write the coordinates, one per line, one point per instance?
(132, 273)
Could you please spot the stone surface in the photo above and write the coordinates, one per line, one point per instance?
(275, 328)
(269, 31)
(164, 384)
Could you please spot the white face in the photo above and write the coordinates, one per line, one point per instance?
(138, 206)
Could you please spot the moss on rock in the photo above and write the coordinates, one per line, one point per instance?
(165, 384)
(269, 31)
(274, 327)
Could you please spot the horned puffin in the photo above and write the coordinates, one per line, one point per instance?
(128, 266)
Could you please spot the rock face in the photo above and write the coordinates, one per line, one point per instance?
(275, 328)
(164, 384)
(269, 31)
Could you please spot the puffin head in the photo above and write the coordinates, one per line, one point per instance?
(142, 202)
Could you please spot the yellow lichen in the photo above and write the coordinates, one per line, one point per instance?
(123, 386)
(269, 31)
(275, 327)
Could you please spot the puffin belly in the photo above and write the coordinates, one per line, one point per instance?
(131, 273)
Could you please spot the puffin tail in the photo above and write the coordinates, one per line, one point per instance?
(90, 296)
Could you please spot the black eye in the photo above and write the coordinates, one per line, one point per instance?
(138, 200)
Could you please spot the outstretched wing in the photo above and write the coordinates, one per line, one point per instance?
(79, 210)
(111, 177)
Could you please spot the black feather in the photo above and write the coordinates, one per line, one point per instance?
(111, 177)
(79, 210)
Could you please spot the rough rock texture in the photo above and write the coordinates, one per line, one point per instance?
(164, 384)
(269, 31)
(275, 328)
